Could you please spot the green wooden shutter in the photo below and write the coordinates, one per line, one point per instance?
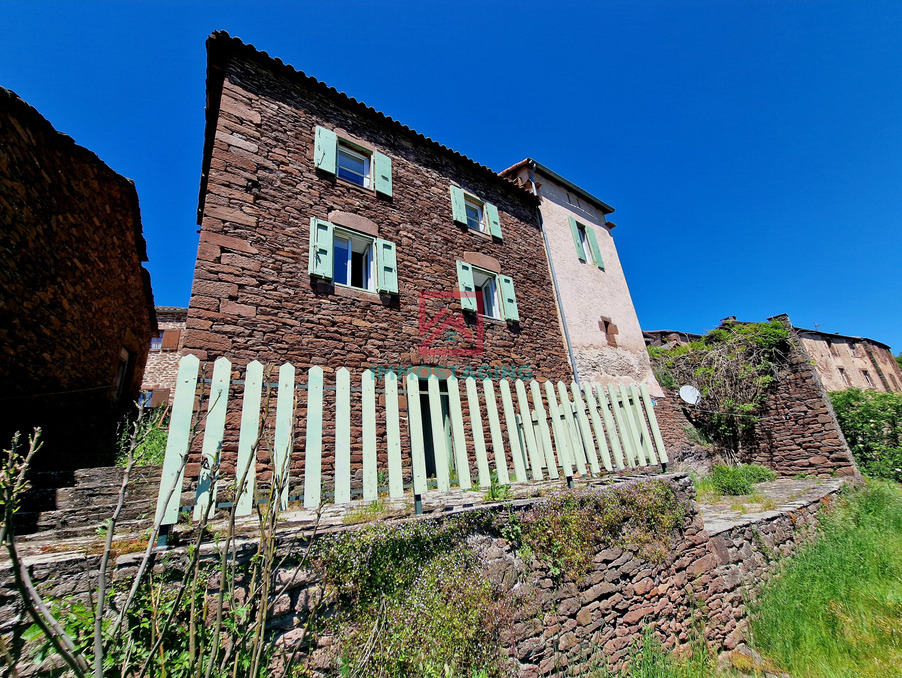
(593, 245)
(382, 172)
(509, 299)
(574, 231)
(326, 150)
(466, 284)
(386, 267)
(321, 233)
(458, 206)
(491, 214)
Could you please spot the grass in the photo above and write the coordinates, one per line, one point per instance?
(836, 610)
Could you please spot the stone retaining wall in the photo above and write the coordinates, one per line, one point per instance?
(563, 623)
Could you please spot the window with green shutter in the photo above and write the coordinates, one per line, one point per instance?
(490, 293)
(585, 242)
(351, 162)
(475, 213)
(352, 259)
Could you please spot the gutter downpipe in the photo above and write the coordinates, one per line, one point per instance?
(557, 292)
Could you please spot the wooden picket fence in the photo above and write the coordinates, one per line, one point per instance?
(585, 428)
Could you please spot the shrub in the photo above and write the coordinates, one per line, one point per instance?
(736, 480)
(872, 424)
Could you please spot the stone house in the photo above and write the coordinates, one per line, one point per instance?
(76, 307)
(334, 235)
(163, 358)
(595, 309)
(844, 361)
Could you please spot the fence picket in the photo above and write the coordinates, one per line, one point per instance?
(370, 473)
(544, 433)
(214, 430)
(342, 436)
(393, 436)
(247, 438)
(172, 476)
(653, 420)
(641, 426)
(560, 435)
(585, 429)
(482, 460)
(313, 447)
(457, 434)
(576, 445)
(597, 425)
(415, 425)
(621, 451)
(513, 435)
(491, 407)
(630, 419)
(529, 434)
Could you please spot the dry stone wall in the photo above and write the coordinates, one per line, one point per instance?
(562, 624)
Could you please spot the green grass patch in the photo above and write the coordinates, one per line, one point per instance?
(836, 611)
(738, 480)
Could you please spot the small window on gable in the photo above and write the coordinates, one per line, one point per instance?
(353, 165)
(475, 213)
(584, 241)
(353, 261)
(832, 347)
(487, 288)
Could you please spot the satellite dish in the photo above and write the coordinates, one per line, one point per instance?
(690, 394)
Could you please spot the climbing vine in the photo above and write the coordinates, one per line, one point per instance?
(734, 367)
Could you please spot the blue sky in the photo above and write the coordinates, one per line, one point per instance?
(752, 150)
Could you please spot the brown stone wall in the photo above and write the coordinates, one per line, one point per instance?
(253, 297)
(565, 624)
(797, 432)
(73, 292)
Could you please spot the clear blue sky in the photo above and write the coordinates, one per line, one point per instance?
(752, 150)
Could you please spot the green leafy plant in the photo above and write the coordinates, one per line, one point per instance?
(497, 491)
(872, 424)
(739, 479)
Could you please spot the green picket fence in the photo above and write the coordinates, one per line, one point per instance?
(539, 431)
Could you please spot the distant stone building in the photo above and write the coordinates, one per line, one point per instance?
(663, 337)
(593, 299)
(844, 361)
(163, 358)
(76, 308)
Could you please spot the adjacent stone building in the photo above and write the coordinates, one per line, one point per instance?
(76, 308)
(844, 361)
(333, 235)
(593, 299)
(163, 358)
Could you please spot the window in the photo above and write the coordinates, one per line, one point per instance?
(352, 162)
(586, 244)
(867, 378)
(832, 347)
(853, 349)
(609, 329)
(344, 257)
(895, 383)
(475, 216)
(156, 341)
(495, 291)
(845, 379)
(474, 212)
(487, 288)
(353, 261)
(353, 165)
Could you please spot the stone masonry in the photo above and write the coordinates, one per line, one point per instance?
(566, 624)
(73, 292)
(253, 297)
(163, 359)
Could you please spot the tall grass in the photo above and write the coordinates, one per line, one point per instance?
(836, 611)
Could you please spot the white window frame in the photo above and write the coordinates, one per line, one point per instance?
(353, 151)
(369, 243)
(488, 278)
(479, 206)
(867, 378)
(156, 341)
